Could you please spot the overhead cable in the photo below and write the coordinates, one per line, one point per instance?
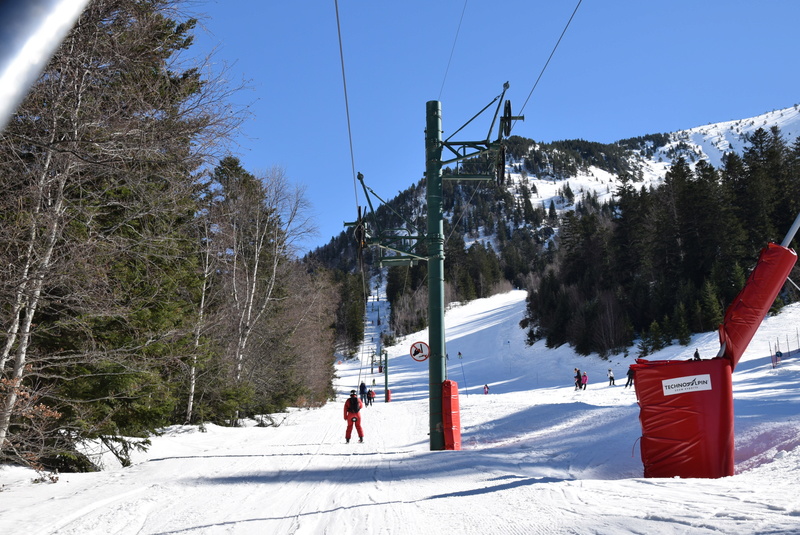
(463, 10)
(551, 56)
(352, 153)
(346, 103)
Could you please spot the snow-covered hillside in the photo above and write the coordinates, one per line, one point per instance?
(538, 456)
(711, 142)
(707, 143)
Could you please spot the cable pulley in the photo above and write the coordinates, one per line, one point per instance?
(506, 119)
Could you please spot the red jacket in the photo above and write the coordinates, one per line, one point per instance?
(347, 404)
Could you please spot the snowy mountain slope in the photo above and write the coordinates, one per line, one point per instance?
(538, 457)
(712, 141)
(707, 143)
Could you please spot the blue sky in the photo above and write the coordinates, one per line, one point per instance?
(624, 68)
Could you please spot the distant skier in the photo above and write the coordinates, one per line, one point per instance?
(370, 397)
(362, 391)
(577, 379)
(610, 377)
(485, 389)
(352, 414)
(630, 378)
(584, 380)
(696, 355)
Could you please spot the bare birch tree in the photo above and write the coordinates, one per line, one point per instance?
(259, 221)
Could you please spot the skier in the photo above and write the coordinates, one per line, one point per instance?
(696, 355)
(610, 377)
(352, 414)
(485, 389)
(362, 391)
(584, 380)
(370, 397)
(577, 379)
(630, 378)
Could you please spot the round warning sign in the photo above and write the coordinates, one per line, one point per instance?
(420, 351)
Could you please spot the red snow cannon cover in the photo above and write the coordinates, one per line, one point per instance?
(745, 313)
(451, 418)
(686, 412)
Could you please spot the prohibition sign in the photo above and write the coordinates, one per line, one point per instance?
(420, 351)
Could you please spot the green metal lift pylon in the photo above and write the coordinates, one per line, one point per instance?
(437, 372)
(437, 365)
(434, 237)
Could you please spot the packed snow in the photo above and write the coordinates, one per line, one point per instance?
(538, 457)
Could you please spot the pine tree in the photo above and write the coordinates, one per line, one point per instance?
(682, 332)
(760, 159)
(710, 306)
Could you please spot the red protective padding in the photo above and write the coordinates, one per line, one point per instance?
(745, 313)
(451, 418)
(686, 412)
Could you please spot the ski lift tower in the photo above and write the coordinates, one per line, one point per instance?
(433, 239)
(434, 147)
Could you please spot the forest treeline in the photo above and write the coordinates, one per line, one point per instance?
(146, 278)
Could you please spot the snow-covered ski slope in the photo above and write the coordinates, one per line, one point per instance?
(538, 457)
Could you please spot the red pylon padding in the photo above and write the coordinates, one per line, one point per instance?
(451, 417)
(686, 412)
(748, 309)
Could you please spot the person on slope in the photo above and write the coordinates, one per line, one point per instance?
(584, 380)
(577, 379)
(370, 397)
(362, 392)
(352, 414)
(630, 378)
(610, 377)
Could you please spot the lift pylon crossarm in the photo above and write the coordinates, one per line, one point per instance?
(468, 178)
(402, 252)
(475, 145)
(396, 261)
(367, 192)
(399, 249)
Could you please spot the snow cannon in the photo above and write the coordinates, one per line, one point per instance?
(686, 406)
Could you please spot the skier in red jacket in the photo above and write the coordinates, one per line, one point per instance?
(352, 413)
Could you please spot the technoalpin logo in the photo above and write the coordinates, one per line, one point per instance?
(681, 385)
